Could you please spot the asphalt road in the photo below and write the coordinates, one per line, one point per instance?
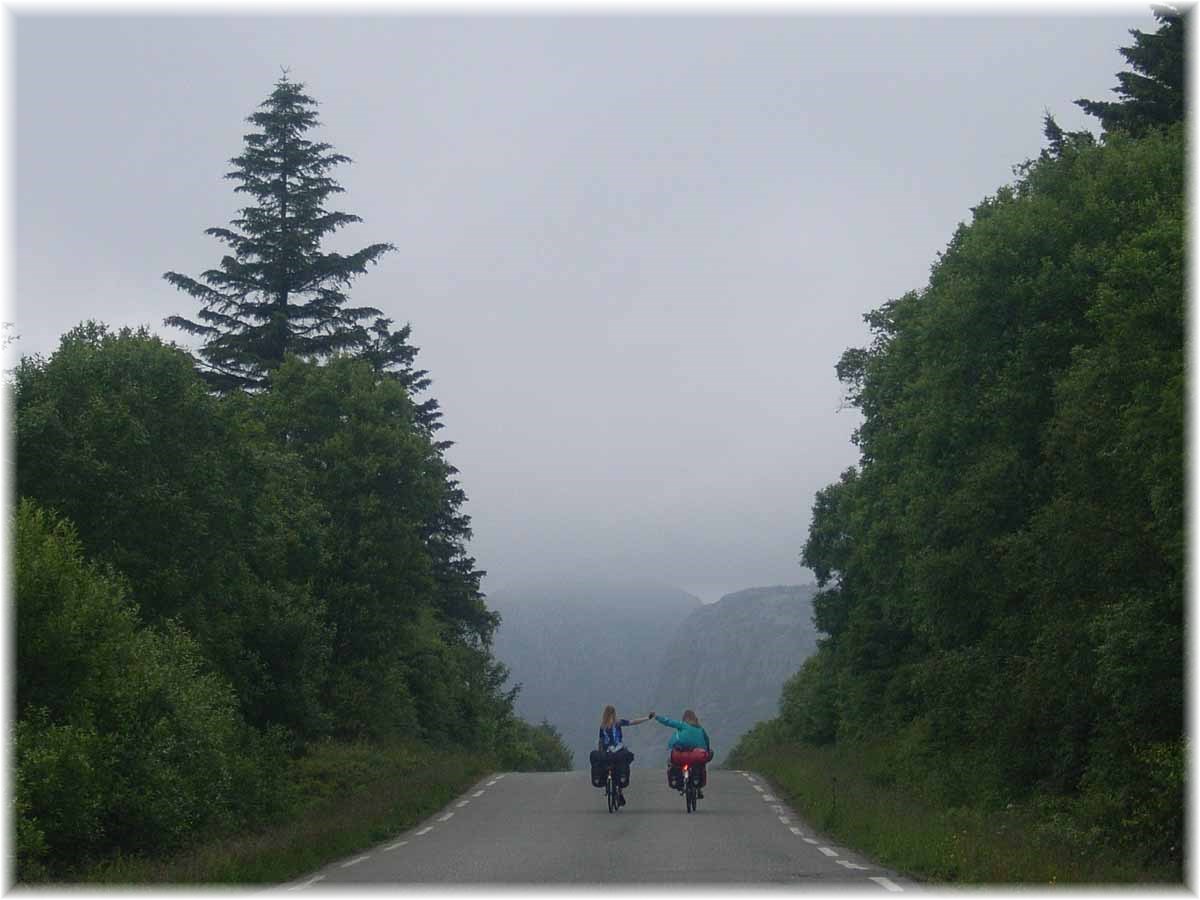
(555, 829)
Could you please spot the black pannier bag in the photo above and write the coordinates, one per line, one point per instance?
(600, 760)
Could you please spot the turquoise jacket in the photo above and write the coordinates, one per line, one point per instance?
(686, 737)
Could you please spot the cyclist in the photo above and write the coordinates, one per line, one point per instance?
(689, 735)
(611, 746)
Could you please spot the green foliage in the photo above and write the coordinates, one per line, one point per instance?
(402, 595)
(1003, 572)
(277, 292)
(534, 748)
(123, 738)
(209, 521)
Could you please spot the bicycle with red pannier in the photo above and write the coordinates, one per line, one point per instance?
(687, 769)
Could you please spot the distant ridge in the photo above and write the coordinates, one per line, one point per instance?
(729, 660)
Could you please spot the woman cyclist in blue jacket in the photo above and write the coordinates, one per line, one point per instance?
(611, 744)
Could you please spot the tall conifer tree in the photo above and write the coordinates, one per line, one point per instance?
(1153, 94)
(277, 292)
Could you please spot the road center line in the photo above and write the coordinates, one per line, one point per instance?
(827, 851)
(308, 883)
(425, 830)
(446, 817)
(354, 862)
(395, 845)
(886, 882)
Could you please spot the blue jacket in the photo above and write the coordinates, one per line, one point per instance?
(610, 738)
(686, 737)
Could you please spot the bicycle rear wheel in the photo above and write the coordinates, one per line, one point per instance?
(611, 790)
(690, 795)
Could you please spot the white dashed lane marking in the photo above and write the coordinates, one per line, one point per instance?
(308, 883)
(886, 882)
(827, 851)
(446, 817)
(461, 803)
(811, 841)
(354, 862)
(796, 831)
(425, 830)
(395, 845)
(757, 788)
(769, 798)
(477, 794)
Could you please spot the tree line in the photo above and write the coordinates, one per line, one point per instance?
(223, 560)
(1002, 573)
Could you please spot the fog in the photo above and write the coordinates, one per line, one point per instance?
(631, 248)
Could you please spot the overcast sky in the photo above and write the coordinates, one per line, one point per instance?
(631, 248)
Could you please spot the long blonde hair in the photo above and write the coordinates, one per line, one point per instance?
(608, 718)
(690, 717)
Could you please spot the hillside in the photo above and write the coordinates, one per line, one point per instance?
(729, 660)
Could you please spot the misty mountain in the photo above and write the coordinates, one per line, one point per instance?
(574, 647)
(729, 660)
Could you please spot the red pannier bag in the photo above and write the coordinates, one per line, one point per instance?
(697, 757)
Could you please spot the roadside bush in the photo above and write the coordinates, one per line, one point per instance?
(123, 739)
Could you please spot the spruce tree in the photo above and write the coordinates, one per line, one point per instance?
(1153, 94)
(277, 293)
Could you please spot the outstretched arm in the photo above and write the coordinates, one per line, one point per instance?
(670, 723)
(646, 718)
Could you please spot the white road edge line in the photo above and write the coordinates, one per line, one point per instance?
(757, 788)
(827, 851)
(308, 883)
(811, 841)
(796, 831)
(395, 845)
(779, 809)
(785, 820)
(886, 882)
(461, 803)
(477, 794)
(446, 817)
(851, 865)
(493, 781)
(769, 798)
(354, 862)
(425, 830)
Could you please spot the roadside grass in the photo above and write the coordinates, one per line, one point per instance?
(1018, 845)
(345, 797)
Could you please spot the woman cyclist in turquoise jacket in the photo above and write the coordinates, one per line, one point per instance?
(689, 734)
